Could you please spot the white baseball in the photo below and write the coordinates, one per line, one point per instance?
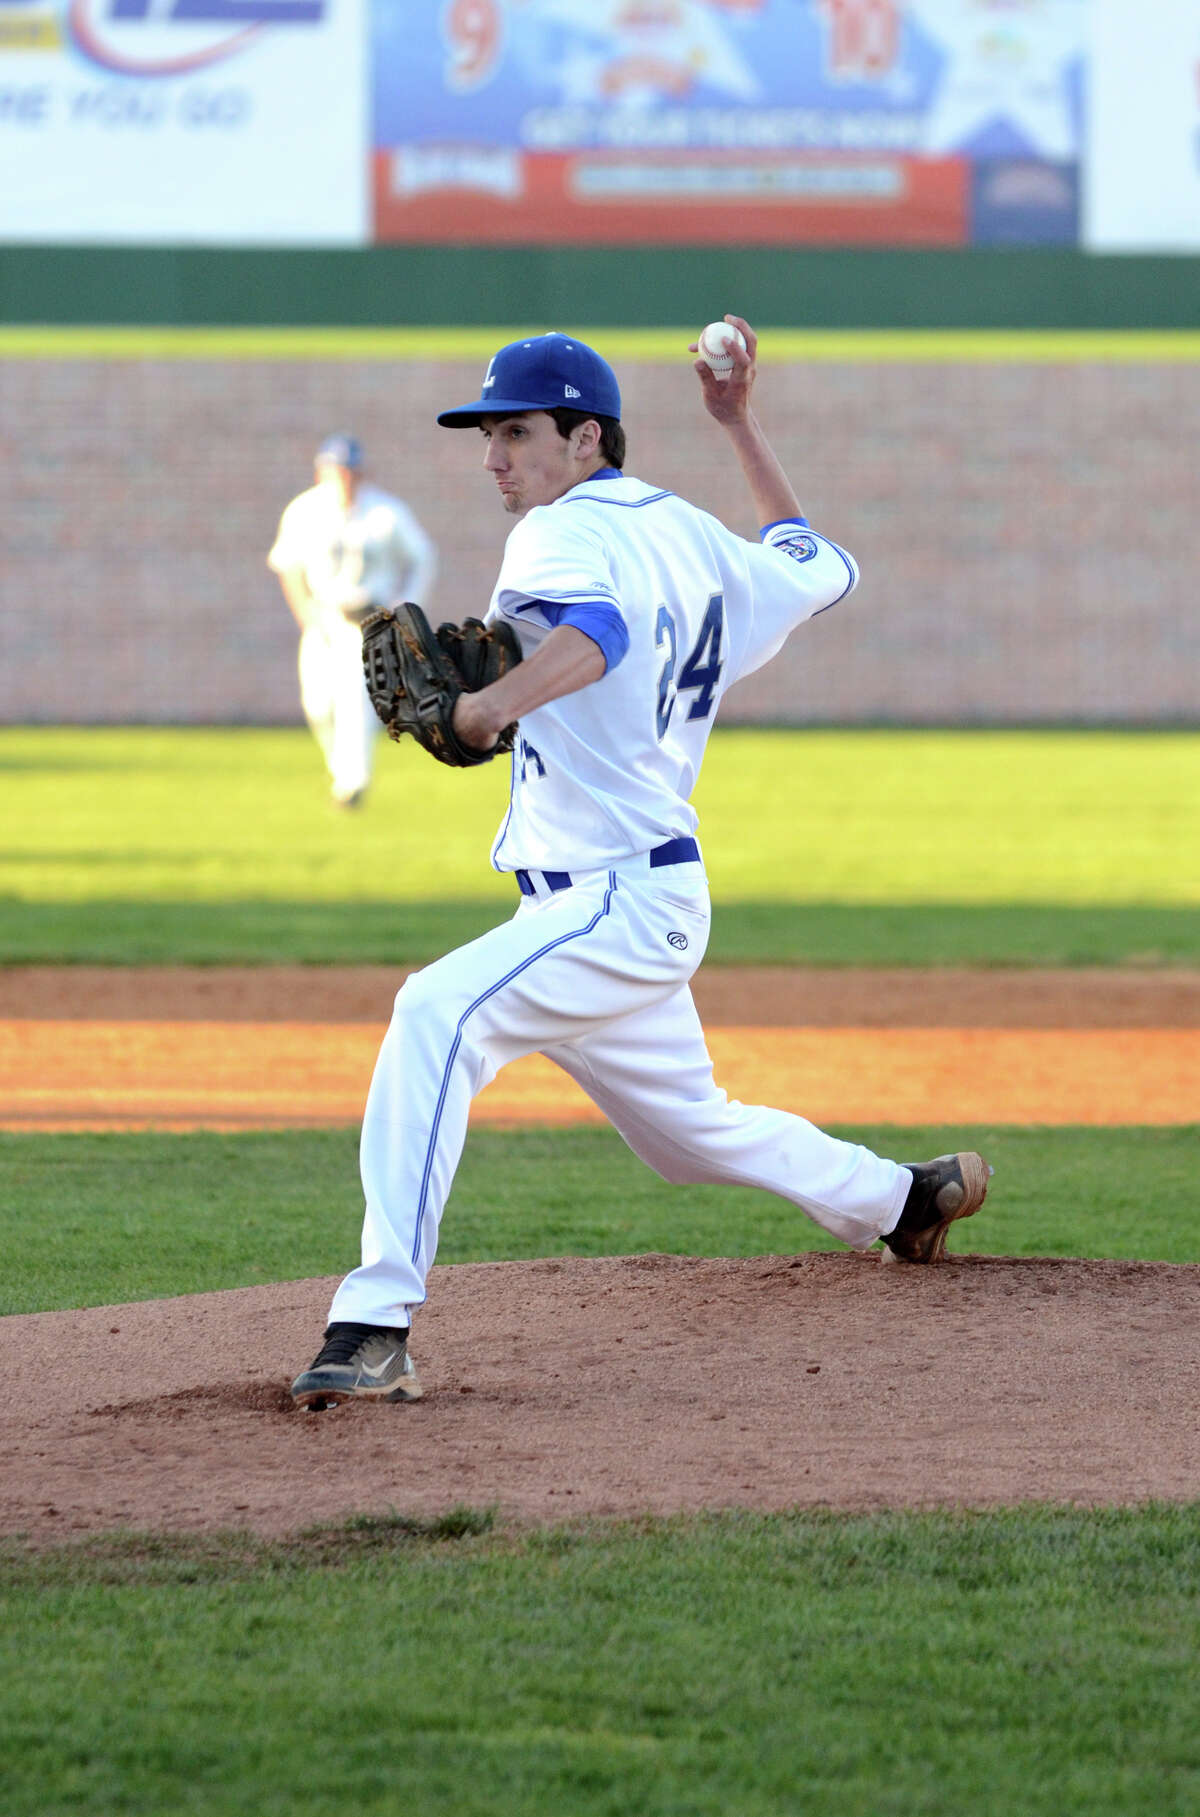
(714, 344)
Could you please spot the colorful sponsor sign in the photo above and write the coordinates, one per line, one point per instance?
(920, 122)
(1143, 151)
(183, 121)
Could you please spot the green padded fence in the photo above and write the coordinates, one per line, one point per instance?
(603, 286)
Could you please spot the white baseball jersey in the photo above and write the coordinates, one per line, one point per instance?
(605, 773)
(369, 555)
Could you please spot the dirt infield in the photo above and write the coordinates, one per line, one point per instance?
(765, 996)
(279, 1048)
(650, 1383)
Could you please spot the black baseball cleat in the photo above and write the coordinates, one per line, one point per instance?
(953, 1186)
(358, 1363)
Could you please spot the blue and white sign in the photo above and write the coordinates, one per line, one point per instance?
(938, 121)
(183, 121)
(1143, 155)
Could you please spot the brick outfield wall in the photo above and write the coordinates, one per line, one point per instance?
(1028, 535)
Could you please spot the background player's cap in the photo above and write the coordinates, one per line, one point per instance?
(548, 372)
(340, 451)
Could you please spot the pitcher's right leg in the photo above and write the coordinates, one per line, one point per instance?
(651, 1075)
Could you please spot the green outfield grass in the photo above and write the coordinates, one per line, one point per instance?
(1031, 1660)
(1037, 1661)
(876, 847)
(134, 1216)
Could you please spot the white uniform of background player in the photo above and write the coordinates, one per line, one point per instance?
(635, 611)
(343, 549)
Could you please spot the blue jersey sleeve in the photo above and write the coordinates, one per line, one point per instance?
(598, 619)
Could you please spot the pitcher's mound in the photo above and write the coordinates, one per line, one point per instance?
(619, 1386)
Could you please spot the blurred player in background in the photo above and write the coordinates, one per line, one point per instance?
(344, 549)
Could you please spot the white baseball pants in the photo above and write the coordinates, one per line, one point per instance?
(595, 977)
(333, 695)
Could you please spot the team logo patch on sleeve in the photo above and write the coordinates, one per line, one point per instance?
(798, 545)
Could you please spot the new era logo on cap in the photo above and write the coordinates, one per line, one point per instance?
(545, 372)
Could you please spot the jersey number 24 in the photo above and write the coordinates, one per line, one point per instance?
(700, 673)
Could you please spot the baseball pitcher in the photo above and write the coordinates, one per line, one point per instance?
(632, 612)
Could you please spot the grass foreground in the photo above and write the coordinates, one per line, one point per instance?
(1033, 1661)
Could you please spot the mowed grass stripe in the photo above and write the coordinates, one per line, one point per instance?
(132, 1216)
(416, 344)
(213, 1074)
(1068, 819)
(1069, 848)
(381, 931)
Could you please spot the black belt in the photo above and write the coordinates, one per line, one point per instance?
(675, 851)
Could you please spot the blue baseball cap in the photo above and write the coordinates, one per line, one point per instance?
(340, 451)
(547, 372)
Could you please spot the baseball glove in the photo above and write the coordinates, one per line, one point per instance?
(414, 676)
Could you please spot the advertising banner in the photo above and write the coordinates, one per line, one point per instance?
(918, 122)
(1143, 163)
(223, 122)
